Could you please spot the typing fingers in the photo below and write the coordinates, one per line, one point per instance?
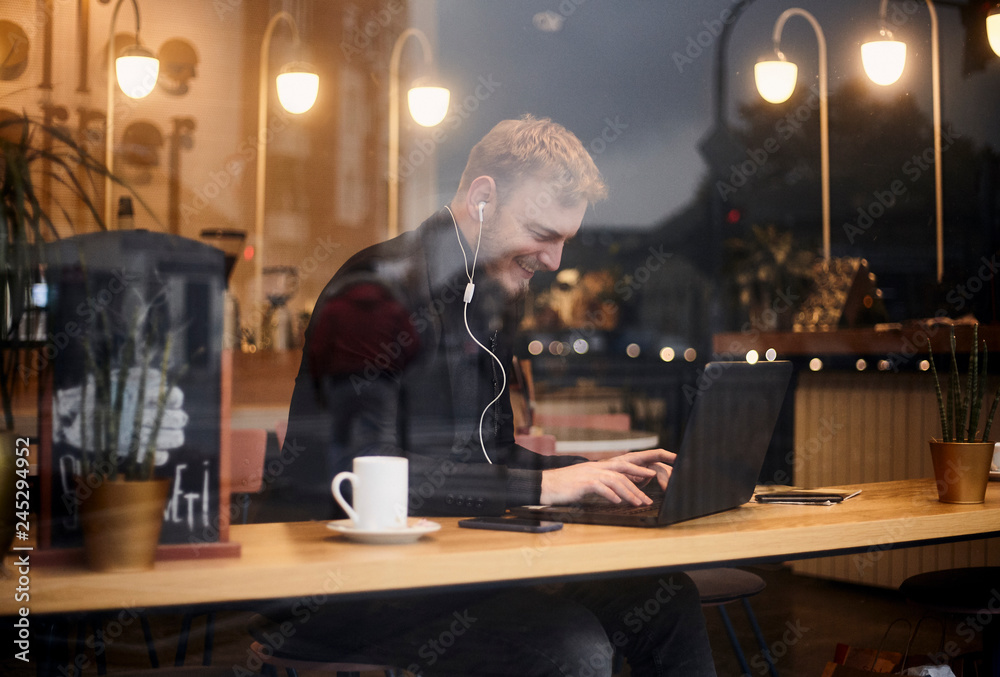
(565, 485)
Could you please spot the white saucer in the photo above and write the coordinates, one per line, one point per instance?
(415, 528)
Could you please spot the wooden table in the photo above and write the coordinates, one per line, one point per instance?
(306, 559)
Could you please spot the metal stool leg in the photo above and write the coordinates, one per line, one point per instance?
(764, 648)
(100, 656)
(210, 638)
(81, 631)
(147, 634)
(182, 640)
(737, 649)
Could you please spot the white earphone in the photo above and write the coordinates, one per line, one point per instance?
(470, 289)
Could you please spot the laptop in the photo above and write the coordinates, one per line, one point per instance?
(732, 419)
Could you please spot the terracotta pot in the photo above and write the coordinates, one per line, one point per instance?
(962, 470)
(121, 521)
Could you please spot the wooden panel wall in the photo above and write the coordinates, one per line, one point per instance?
(869, 427)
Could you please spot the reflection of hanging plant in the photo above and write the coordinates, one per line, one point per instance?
(31, 150)
(767, 265)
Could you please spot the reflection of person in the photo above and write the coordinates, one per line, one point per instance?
(397, 363)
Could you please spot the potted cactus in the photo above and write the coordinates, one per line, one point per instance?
(963, 454)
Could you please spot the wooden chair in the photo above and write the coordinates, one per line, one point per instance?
(246, 467)
(280, 430)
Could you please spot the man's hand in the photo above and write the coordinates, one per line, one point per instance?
(616, 479)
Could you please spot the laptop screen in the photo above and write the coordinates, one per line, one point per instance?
(732, 419)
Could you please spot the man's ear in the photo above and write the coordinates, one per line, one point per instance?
(482, 189)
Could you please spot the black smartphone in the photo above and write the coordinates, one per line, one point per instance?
(806, 496)
(510, 524)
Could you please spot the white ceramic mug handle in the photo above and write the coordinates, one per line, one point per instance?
(335, 487)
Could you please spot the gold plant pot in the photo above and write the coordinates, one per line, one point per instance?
(121, 521)
(962, 470)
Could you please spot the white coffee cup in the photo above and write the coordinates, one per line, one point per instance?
(380, 486)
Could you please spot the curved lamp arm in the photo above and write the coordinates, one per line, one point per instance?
(936, 107)
(258, 229)
(392, 219)
(824, 129)
(109, 125)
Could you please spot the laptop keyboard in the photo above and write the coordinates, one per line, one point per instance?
(621, 508)
(602, 506)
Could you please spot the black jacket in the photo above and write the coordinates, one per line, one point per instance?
(363, 388)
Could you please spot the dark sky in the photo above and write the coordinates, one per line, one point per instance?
(627, 77)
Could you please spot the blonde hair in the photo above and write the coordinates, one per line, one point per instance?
(539, 148)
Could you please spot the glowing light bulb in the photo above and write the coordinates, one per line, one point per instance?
(428, 105)
(136, 70)
(883, 60)
(775, 79)
(298, 86)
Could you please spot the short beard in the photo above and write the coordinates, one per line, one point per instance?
(519, 294)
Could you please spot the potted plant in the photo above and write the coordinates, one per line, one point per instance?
(31, 150)
(962, 456)
(128, 387)
(28, 150)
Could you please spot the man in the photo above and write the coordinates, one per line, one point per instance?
(407, 354)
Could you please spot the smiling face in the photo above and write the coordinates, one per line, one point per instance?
(527, 234)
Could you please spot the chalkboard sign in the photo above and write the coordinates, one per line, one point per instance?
(104, 281)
